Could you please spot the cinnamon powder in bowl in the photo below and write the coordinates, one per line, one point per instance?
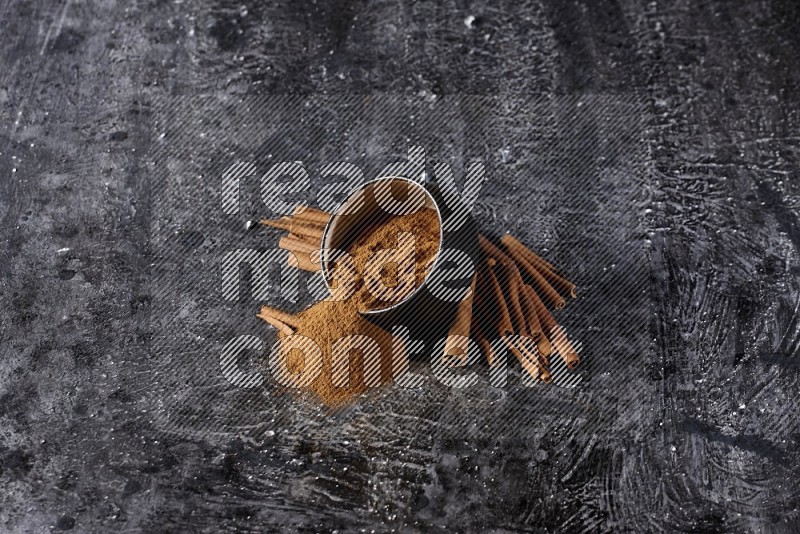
(391, 259)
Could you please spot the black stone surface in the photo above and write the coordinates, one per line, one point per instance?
(707, 433)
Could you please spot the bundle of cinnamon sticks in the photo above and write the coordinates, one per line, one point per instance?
(304, 238)
(511, 292)
(512, 285)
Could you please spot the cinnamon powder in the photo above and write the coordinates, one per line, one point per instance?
(326, 322)
(424, 226)
(330, 320)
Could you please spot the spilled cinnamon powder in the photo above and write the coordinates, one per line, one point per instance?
(329, 321)
(325, 323)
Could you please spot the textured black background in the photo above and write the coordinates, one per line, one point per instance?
(710, 440)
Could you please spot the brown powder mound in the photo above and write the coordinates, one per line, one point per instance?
(328, 321)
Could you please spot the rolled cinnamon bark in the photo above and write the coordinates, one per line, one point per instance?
(282, 327)
(545, 317)
(556, 333)
(310, 215)
(462, 321)
(543, 266)
(483, 343)
(278, 319)
(293, 243)
(513, 285)
(539, 360)
(282, 316)
(529, 360)
(564, 347)
(313, 240)
(502, 319)
(544, 346)
(283, 223)
(529, 310)
(480, 307)
(530, 367)
(510, 241)
(541, 284)
(302, 260)
(295, 226)
(308, 232)
(491, 251)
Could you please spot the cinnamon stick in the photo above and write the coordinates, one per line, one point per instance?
(530, 367)
(545, 320)
(282, 327)
(543, 266)
(537, 358)
(462, 321)
(282, 316)
(528, 359)
(478, 317)
(307, 231)
(483, 342)
(312, 240)
(541, 284)
(310, 215)
(302, 260)
(564, 347)
(503, 319)
(543, 343)
(283, 223)
(556, 333)
(514, 289)
(293, 243)
(545, 317)
(544, 346)
(529, 310)
(510, 240)
(295, 226)
(491, 251)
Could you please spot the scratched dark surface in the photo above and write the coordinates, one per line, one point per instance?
(706, 433)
